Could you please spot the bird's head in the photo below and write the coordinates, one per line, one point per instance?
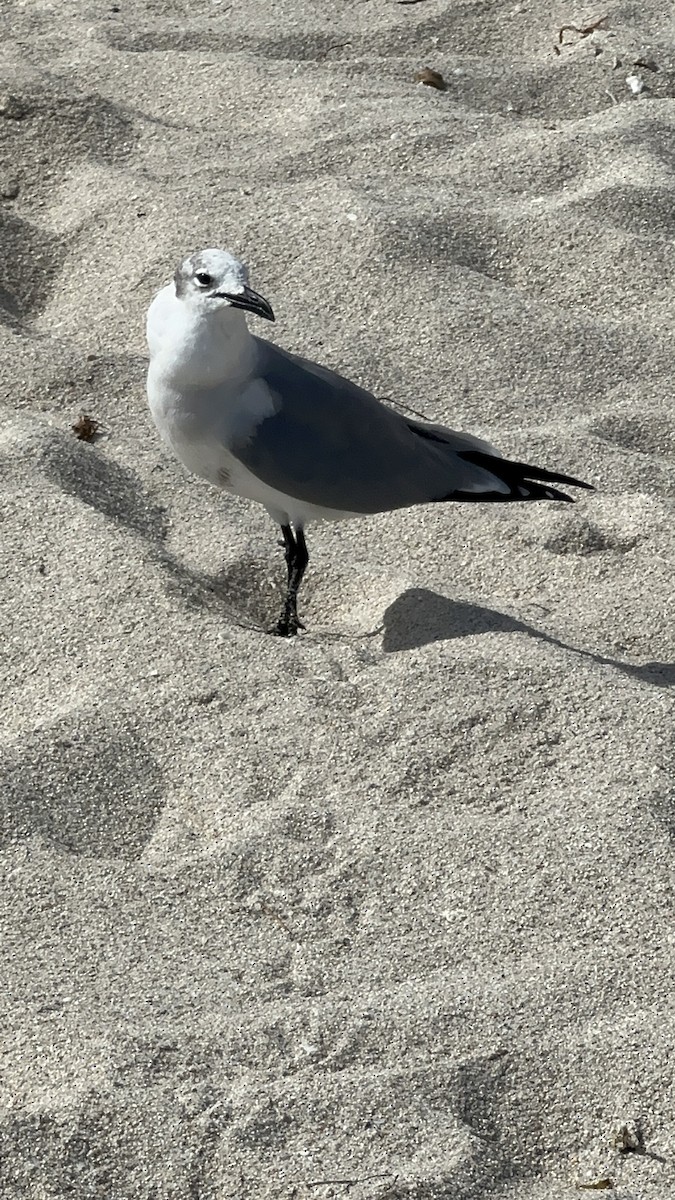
(212, 280)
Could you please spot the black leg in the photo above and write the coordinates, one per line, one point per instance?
(289, 547)
(297, 558)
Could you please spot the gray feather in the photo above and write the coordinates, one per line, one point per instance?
(332, 444)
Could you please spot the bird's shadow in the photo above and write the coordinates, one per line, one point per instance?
(419, 617)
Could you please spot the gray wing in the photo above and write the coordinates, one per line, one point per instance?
(334, 445)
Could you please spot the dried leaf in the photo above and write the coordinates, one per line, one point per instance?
(85, 428)
(431, 78)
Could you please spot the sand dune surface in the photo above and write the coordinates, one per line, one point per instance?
(385, 911)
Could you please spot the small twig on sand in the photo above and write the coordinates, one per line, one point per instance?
(265, 911)
(582, 30)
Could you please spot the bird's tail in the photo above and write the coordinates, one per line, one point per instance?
(524, 482)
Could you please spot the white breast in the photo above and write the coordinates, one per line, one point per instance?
(201, 426)
(205, 397)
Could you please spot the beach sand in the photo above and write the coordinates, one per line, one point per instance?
(386, 911)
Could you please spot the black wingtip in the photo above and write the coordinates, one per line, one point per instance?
(551, 494)
(572, 482)
(525, 482)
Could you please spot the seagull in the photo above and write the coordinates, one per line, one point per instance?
(301, 440)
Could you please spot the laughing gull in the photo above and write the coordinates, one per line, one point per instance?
(292, 435)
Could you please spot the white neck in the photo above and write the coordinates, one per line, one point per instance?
(197, 347)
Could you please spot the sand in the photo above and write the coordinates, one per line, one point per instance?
(386, 911)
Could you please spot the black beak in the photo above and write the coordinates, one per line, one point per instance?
(249, 300)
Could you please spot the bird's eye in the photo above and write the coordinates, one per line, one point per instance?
(204, 279)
